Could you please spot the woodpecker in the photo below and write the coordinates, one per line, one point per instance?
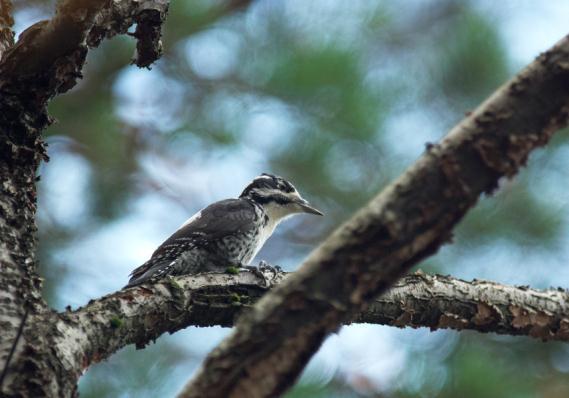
(226, 233)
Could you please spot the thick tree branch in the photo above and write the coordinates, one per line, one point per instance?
(439, 302)
(405, 223)
(49, 55)
(140, 315)
(46, 61)
(6, 23)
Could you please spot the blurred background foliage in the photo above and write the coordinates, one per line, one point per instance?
(339, 97)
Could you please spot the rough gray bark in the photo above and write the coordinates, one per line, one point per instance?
(140, 315)
(405, 223)
(440, 302)
(6, 23)
(46, 61)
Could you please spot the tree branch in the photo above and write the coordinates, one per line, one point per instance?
(404, 224)
(6, 23)
(440, 302)
(140, 315)
(50, 55)
(46, 61)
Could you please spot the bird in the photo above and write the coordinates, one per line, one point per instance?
(227, 233)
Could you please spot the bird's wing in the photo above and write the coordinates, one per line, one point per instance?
(220, 219)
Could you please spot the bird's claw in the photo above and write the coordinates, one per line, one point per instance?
(265, 266)
(261, 272)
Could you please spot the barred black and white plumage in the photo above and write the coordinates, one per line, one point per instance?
(228, 232)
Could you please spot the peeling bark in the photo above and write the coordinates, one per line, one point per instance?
(441, 302)
(407, 222)
(140, 315)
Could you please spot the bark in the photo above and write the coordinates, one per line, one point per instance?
(6, 23)
(440, 302)
(140, 315)
(46, 61)
(405, 223)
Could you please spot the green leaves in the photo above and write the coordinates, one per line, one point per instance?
(472, 60)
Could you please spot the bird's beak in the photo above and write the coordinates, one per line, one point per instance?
(307, 208)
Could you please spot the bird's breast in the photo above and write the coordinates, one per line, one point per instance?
(260, 236)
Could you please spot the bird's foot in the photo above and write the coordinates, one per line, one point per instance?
(261, 272)
(270, 272)
(265, 266)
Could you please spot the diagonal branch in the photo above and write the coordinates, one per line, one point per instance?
(140, 315)
(404, 224)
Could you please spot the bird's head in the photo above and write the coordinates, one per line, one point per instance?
(278, 197)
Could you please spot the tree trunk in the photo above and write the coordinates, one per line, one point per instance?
(46, 61)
